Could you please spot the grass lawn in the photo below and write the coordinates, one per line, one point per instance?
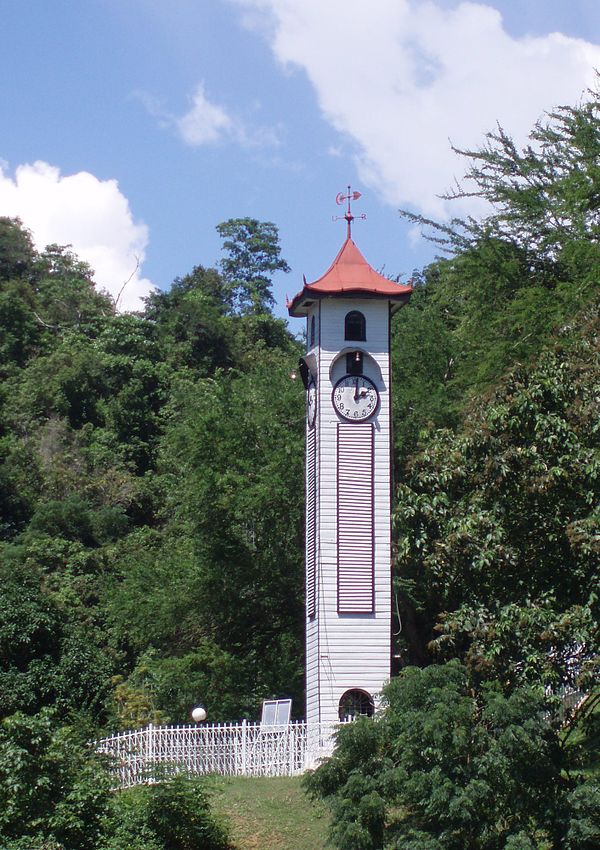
(269, 814)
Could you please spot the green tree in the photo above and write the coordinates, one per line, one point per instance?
(119, 571)
(447, 766)
(501, 527)
(55, 795)
(424, 353)
(527, 267)
(20, 482)
(30, 636)
(235, 447)
(67, 296)
(505, 514)
(190, 320)
(544, 197)
(252, 256)
(52, 648)
(53, 791)
(20, 330)
(17, 254)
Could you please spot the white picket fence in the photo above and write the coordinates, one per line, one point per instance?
(228, 749)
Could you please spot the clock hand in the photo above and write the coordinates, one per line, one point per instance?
(356, 393)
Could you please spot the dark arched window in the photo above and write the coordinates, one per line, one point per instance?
(312, 331)
(355, 326)
(354, 703)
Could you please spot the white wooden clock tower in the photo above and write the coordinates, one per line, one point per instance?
(346, 372)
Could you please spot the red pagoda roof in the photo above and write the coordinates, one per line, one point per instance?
(351, 276)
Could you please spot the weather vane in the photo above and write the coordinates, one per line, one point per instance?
(340, 198)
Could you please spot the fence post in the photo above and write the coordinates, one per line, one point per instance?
(244, 722)
(150, 753)
(292, 746)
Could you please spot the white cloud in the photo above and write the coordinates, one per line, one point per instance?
(402, 77)
(90, 214)
(205, 122)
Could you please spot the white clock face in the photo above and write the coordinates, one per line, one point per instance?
(311, 403)
(355, 397)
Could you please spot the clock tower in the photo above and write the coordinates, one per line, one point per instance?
(346, 372)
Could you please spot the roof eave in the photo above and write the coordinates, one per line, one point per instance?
(300, 305)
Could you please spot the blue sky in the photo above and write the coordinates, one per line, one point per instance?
(130, 128)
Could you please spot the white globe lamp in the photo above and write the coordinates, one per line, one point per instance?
(199, 714)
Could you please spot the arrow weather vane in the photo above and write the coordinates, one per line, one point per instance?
(340, 198)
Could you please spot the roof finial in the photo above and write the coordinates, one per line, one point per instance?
(340, 198)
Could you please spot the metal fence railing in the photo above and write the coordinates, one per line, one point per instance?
(228, 749)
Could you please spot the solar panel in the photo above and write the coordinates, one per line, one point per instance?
(276, 712)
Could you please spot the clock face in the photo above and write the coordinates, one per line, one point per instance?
(355, 397)
(311, 403)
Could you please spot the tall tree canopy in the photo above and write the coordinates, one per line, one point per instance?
(131, 443)
(252, 255)
(511, 278)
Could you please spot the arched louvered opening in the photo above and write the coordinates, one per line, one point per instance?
(355, 326)
(356, 703)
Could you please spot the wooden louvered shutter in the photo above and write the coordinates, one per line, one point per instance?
(355, 499)
(311, 523)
